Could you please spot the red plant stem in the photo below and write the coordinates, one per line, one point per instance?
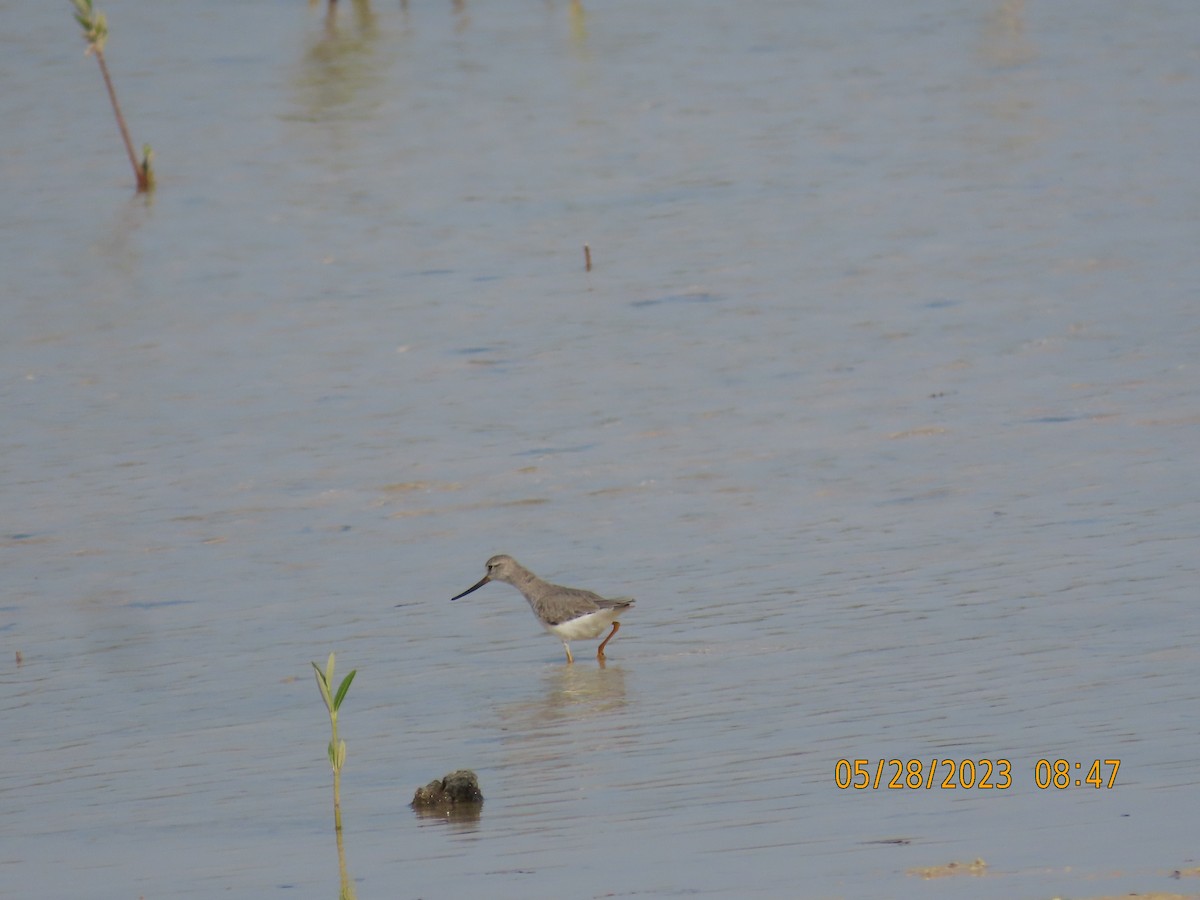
(143, 182)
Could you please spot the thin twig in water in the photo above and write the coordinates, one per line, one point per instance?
(95, 32)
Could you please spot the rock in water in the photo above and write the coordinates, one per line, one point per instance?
(457, 788)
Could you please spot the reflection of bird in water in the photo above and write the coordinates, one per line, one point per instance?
(570, 614)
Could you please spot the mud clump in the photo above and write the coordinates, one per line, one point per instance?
(458, 789)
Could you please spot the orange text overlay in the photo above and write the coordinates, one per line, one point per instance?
(970, 774)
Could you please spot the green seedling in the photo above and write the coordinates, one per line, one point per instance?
(337, 758)
(95, 32)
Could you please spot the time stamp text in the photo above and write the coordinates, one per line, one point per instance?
(971, 774)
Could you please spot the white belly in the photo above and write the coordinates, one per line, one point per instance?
(590, 626)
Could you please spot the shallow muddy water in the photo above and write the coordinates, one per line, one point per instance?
(881, 398)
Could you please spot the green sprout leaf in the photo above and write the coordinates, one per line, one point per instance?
(323, 685)
(94, 25)
(342, 689)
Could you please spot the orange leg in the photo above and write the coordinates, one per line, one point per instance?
(600, 650)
